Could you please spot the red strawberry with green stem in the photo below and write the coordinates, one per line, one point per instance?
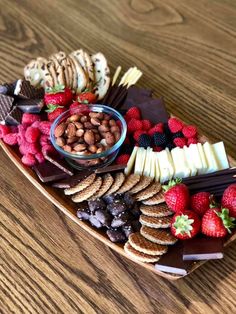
(229, 199)
(54, 111)
(86, 97)
(217, 223)
(185, 225)
(58, 95)
(200, 202)
(177, 195)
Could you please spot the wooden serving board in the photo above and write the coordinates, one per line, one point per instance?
(57, 197)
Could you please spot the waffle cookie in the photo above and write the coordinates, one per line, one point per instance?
(155, 199)
(129, 183)
(106, 184)
(142, 257)
(154, 222)
(151, 190)
(160, 210)
(159, 236)
(88, 192)
(118, 181)
(141, 185)
(81, 185)
(141, 244)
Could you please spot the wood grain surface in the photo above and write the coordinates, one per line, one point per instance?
(187, 51)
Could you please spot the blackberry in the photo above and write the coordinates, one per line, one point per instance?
(170, 146)
(145, 141)
(160, 139)
(178, 134)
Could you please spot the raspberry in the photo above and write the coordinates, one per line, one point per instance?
(14, 129)
(160, 139)
(40, 158)
(180, 142)
(32, 148)
(175, 125)
(36, 124)
(30, 118)
(189, 131)
(157, 148)
(145, 141)
(21, 134)
(192, 140)
(177, 134)
(157, 128)
(44, 140)
(122, 159)
(137, 134)
(32, 134)
(146, 124)
(45, 126)
(10, 138)
(133, 113)
(4, 130)
(134, 125)
(48, 149)
(28, 160)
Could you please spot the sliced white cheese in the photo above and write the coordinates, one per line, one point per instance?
(163, 166)
(203, 159)
(171, 163)
(153, 165)
(220, 154)
(180, 163)
(211, 158)
(131, 161)
(147, 165)
(194, 155)
(140, 161)
(157, 168)
(189, 160)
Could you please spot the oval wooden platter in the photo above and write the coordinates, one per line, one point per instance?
(69, 208)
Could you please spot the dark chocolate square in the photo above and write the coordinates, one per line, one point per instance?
(47, 172)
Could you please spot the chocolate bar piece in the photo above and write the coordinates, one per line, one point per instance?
(198, 249)
(30, 105)
(73, 180)
(14, 117)
(59, 162)
(6, 103)
(172, 261)
(47, 172)
(111, 168)
(8, 88)
(137, 96)
(25, 90)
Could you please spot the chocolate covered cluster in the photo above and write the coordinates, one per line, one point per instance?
(118, 214)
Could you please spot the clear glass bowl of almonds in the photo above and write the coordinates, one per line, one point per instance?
(89, 136)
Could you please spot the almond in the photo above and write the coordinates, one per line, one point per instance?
(103, 128)
(67, 148)
(115, 128)
(89, 137)
(88, 125)
(80, 132)
(60, 129)
(73, 118)
(95, 121)
(80, 147)
(60, 141)
(96, 115)
(112, 122)
(79, 125)
(92, 148)
(71, 140)
(83, 119)
(110, 139)
(71, 130)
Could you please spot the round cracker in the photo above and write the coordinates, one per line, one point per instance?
(141, 244)
(129, 183)
(81, 185)
(155, 222)
(159, 236)
(151, 190)
(139, 256)
(88, 192)
(142, 184)
(118, 181)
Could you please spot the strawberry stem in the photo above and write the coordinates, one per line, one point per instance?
(228, 221)
(171, 183)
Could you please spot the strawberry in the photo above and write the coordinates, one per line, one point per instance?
(58, 95)
(54, 111)
(185, 225)
(217, 223)
(176, 196)
(200, 202)
(86, 98)
(229, 199)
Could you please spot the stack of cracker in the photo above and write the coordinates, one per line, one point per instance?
(154, 237)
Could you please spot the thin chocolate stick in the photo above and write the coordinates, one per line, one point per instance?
(212, 182)
(118, 90)
(209, 175)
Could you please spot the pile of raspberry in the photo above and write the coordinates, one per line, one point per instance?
(143, 133)
(31, 137)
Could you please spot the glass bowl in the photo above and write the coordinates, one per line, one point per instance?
(96, 160)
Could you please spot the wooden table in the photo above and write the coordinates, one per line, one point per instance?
(187, 51)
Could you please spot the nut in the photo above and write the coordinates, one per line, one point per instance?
(80, 147)
(105, 122)
(110, 139)
(92, 148)
(97, 137)
(96, 115)
(88, 125)
(114, 129)
(71, 140)
(79, 125)
(99, 150)
(70, 130)
(79, 132)
(103, 128)
(106, 116)
(83, 119)
(89, 137)
(60, 141)
(67, 148)
(117, 136)
(95, 121)
(73, 118)
(112, 122)
(60, 129)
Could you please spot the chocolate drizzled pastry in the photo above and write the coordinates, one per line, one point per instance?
(6, 103)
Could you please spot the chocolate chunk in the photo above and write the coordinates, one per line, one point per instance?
(73, 180)
(96, 204)
(6, 103)
(198, 249)
(83, 213)
(112, 168)
(172, 261)
(8, 88)
(116, 235)
(14, 117)
(120, 220)
(111, 198)
(94, 222)
(30, 105)
(135, 211)
(25, 90)
(116, 208)
(129, 200)
(127, 229)
(104, 217)
(47, 172)
(59, 162)
(137, 96)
